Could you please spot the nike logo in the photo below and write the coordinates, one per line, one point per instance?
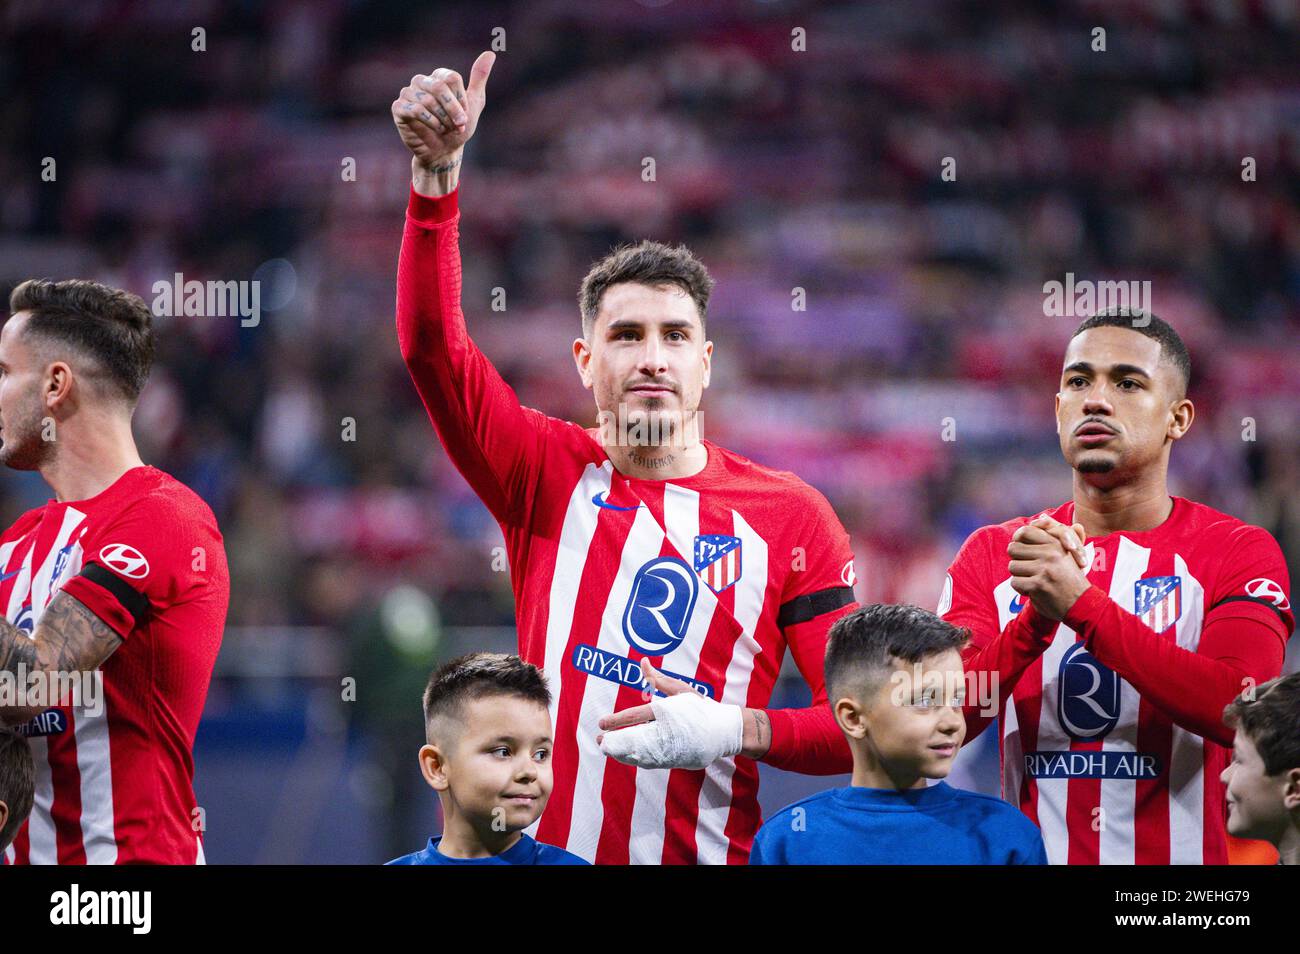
(5, 576)
(599, 503)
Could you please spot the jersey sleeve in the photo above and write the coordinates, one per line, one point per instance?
(493, 440)
(818, 591)
(1190, 687)
(999, 655)
(1254, 583)
(153, 554)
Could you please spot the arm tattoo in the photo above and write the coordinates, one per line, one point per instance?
(764, 726)
(69, 638)
(445, 167)
(16, 648)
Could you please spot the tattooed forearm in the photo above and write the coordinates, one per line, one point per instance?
(70, 638)
(16, 648)
(757, 737)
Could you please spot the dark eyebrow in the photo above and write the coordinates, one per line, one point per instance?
(673, 324)
(1119, 369)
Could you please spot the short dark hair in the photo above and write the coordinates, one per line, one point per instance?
(17, 783)
(1271, 721)
(646, 263)
(1172, 348)
(865, 644)
(111, 326)
(478, 675)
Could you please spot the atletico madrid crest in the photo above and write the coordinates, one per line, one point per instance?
(717, 560)
(1158, 601)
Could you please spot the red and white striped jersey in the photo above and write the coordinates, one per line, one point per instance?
(710, 577)
(1109, 744)
(114, 781)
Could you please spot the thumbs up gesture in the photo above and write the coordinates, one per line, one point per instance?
(438, 113)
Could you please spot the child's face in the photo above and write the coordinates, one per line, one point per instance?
(498, 771)
(1255, 799)
(915, 723)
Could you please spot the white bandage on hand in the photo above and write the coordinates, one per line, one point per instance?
(688, 731)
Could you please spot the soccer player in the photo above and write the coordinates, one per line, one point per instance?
(17, 784)
(1120, 623)
(122, 574)
(488, 748)
(633, 546)
(1263, 778)
(894, 674)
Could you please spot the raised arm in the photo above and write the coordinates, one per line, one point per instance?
(494, 441)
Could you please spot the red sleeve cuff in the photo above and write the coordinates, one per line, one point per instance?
(1085, 609)
(102, 603)
(783, 735)
(431, 210)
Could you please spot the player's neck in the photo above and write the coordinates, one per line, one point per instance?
(658, 462)
(1136, 506)
(90, 458)
(1289, 848)
(462, 839)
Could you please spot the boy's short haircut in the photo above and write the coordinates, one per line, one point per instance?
(17, 782)
(864, 647)
(475, 676)
(1271, 722)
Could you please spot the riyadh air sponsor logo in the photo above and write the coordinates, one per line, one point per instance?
(49, 722)
(1016, 605)
(660, 605)
(1125, 765)
(1263, 588)
(600, 500)
(1088, 707)
(125, 561)
(626, 672)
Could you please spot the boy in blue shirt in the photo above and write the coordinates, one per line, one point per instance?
(487, 727)
(895, 683)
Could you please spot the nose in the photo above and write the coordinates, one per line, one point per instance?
(1096, 401)
(526, 770)
(952, 720)
(652, 363)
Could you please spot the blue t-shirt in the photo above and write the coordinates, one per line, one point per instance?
(525, 851)
(938, 825)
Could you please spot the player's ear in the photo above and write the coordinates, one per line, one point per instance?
(1181, 416)
(58, 383)
(582, 358)
(1056, 411)
(1290, 791)
(433, 766)
(4, 817)
(708, 362)
(851, 718)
